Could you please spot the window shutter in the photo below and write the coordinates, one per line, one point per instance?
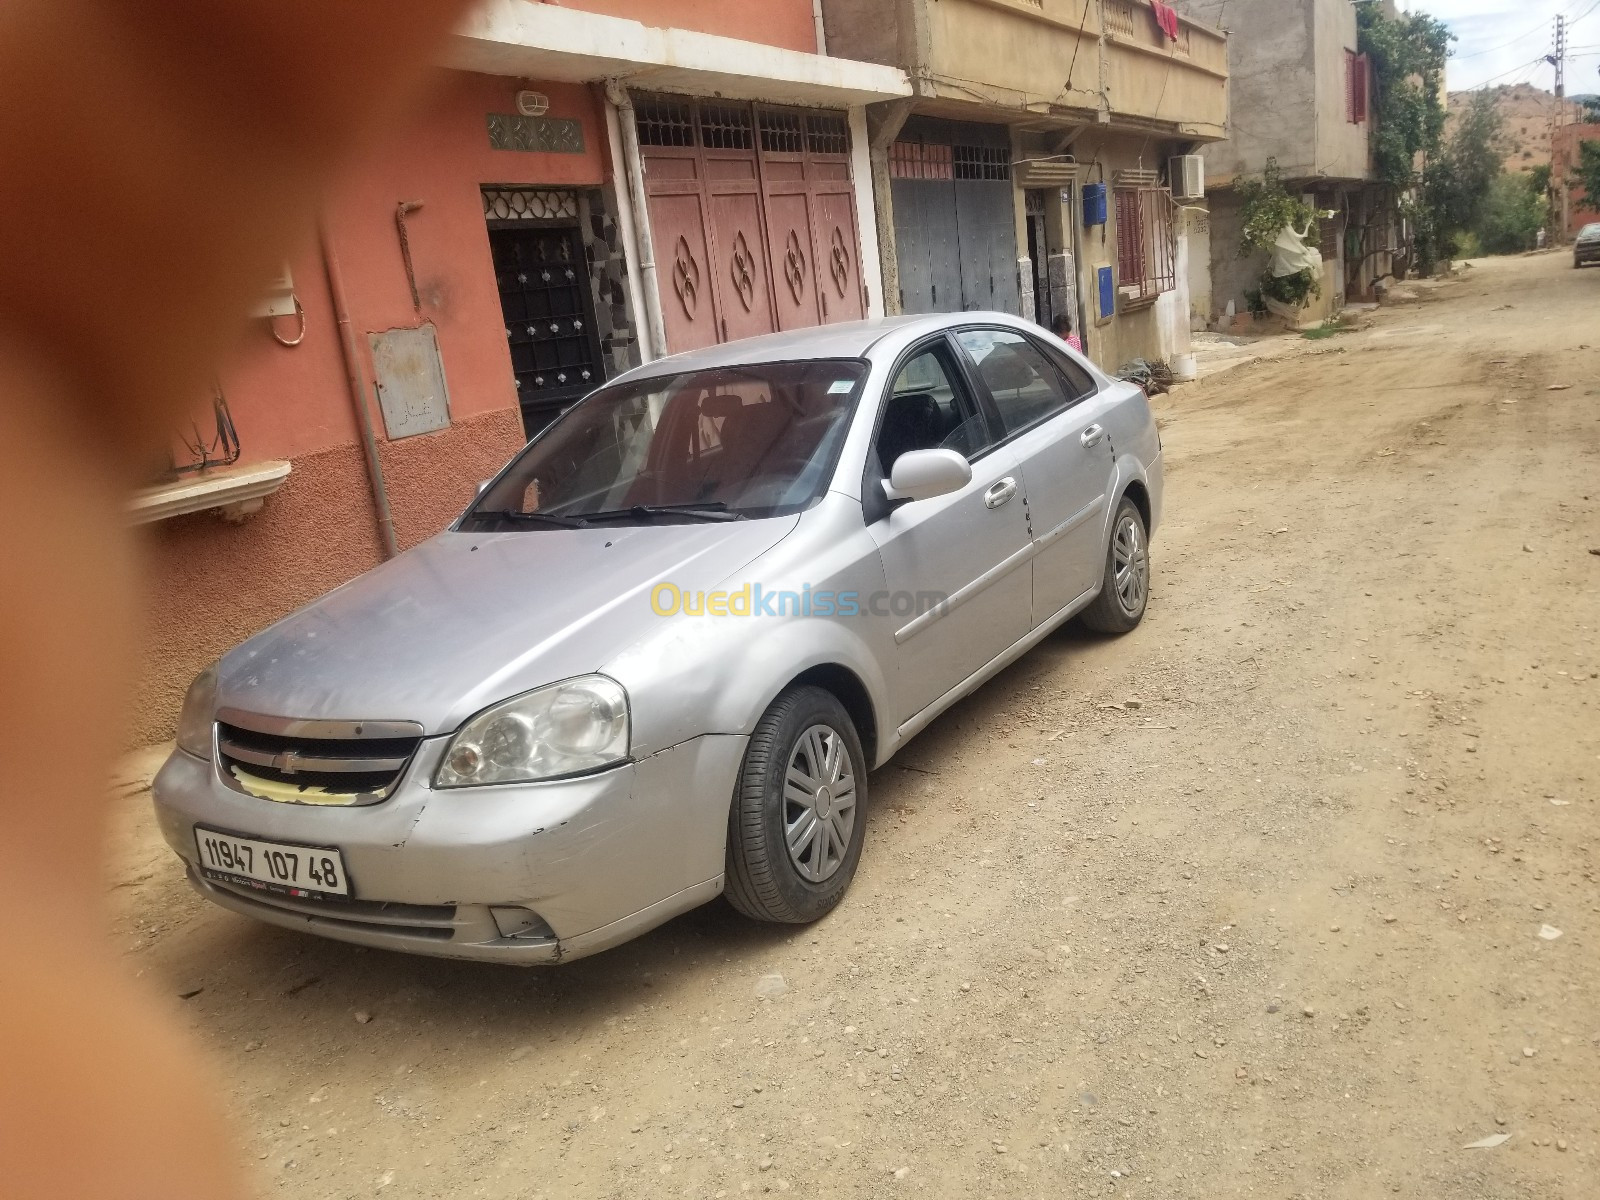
(1128, 232)
(1355, 82)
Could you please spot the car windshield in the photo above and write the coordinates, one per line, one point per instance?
(1591, 230)
(750, 441)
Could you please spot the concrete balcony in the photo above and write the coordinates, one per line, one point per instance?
(1046, 59)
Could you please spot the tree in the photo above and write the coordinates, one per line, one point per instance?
(1407, 54)
(1266, 208)
(1513, 213)
(1456, 184)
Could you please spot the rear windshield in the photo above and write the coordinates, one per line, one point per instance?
(752, 441)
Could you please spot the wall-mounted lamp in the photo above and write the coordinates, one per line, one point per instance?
(533, 104)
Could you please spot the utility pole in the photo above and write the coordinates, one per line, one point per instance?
(1558, 164)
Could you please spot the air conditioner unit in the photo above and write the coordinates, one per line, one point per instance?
(1188, 175)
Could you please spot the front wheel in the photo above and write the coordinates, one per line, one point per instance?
(797, 822)
(1125, 590)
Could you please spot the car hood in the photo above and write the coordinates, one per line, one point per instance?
(468, 619)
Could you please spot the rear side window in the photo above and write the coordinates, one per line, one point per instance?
(1079, 382)
(1026, 386)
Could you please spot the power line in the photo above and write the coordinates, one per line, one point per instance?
(1520, 67)
(1495, 49)
(1522, 37)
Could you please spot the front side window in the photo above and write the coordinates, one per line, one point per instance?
(928, 409)
(1024, 384)
(751, 441)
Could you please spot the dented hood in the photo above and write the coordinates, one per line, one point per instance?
(468, 619)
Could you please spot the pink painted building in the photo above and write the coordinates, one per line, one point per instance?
(1577, 209)
(590, 186)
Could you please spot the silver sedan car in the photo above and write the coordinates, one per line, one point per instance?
(657, 657)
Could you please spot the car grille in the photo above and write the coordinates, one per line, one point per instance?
(322, 762)
(431, 921)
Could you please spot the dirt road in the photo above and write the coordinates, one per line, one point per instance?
(1247, 903)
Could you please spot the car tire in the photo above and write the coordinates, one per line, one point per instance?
(1125, 588)
(806, 732)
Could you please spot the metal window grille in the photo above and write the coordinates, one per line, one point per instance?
(665, 123)
(782, 131)
(1146, 250)
(920, 160)
(827, 133)
(1328, 235)
(682, 122)
(529, 204)
(981, 162)
(726, 127)
(1119, 18)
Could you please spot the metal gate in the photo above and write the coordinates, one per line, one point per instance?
(954, 218)
(543, 279)
(752, 212)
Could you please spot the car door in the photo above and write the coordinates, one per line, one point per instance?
(957, 566)
(1053, 418)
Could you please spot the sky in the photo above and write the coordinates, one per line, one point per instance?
(1500, 41)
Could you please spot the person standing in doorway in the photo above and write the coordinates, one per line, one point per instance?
(1062, 328)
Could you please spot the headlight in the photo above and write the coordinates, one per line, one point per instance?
(199, 710)
(565, 729)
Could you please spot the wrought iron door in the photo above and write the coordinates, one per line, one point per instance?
(543, 279)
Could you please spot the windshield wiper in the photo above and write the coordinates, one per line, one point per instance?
(545, 518)
(714, 510)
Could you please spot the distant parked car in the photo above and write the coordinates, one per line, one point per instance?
(656, 658)
(1586, 248)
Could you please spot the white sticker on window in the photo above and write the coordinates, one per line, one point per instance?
(840, 386)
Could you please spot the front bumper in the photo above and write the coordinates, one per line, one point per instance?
(588, 862)
(1586, 252)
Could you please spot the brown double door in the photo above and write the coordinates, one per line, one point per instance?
(752, 213)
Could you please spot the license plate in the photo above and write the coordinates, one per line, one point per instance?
(271, 866)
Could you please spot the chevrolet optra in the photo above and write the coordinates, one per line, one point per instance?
(656, 658)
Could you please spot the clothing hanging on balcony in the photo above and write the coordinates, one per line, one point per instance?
(1166, 17)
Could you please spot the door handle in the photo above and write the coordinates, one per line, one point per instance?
(1001, 493)
(1093, 435)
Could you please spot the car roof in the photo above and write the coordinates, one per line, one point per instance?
(849, 339)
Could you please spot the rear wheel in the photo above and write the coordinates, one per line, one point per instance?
(1125, 590)
(797, 822)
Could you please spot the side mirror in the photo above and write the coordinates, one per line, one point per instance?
(924, 474)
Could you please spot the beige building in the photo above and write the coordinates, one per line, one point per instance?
(1302, 97)
(1031, 169)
